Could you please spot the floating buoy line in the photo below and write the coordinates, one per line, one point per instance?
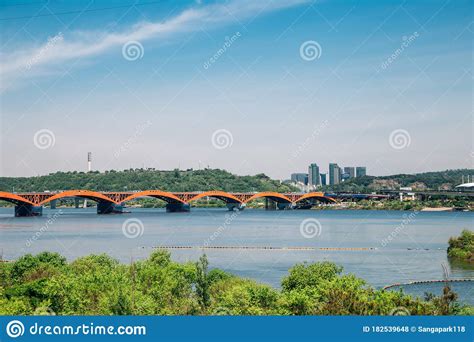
(291, 248)
(427, 282)
(273, 248)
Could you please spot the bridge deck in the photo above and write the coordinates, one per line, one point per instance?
(40, 198)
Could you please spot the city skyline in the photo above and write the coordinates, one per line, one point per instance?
(316, 177)
(232, 85)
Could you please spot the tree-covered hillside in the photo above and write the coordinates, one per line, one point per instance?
(438, 180)
(142, 179)
(215, 179)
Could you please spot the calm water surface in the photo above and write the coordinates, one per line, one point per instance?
(416, 252)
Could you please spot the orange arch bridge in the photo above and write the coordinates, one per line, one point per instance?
(31, 204)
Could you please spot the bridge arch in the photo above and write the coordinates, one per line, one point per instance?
(222, 195)
(92, 195)
(13, 198)
(275, 196)
(316, 195)
(163, 195)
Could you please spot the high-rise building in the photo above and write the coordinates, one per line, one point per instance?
(361, 171)
(334, 174)
(323, 178)
(338, 175)
(313, 174)
(299, 178)
(350, 171)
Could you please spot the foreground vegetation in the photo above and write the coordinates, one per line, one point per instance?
(462, 247)
(100, 285)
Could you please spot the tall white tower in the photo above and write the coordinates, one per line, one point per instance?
(89, 169)
(89, 161)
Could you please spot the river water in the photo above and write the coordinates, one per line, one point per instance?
(416, 251)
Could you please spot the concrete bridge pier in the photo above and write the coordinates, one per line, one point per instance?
(25, 210)
(284, 206)
(270, 204)
(105, 207)
(176, 207)
(235, 206)
(53, 203)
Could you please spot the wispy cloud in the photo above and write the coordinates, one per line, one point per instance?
(65, 46)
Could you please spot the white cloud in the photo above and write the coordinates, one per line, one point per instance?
(62, 47)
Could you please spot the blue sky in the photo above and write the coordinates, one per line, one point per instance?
(390, 85)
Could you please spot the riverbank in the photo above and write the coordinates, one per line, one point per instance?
(434, 206)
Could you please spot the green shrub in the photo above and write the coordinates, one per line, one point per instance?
(462, 247)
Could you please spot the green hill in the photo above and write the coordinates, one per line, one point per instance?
(215, 179)
(145, 179)
(438, 180)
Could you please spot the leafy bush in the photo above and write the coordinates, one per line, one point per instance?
(462, 247)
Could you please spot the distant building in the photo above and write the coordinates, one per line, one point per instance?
(299, 178)
(465, 187)
(313, 175)
(350, 171)
(361, 171)
(323, 178)
(334, 174)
